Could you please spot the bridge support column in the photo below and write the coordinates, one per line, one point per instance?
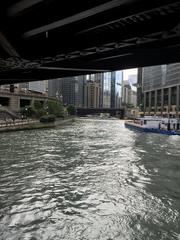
(32, 101)
(14, 103)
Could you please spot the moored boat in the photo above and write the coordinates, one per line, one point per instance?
(168, 126)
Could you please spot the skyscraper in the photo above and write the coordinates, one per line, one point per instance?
(79, 91)
(106, 85)
(69, 90)
(92, 91)
(63, 89)
(37, 86)
(116, 89)
(160, 88)
(101, 90)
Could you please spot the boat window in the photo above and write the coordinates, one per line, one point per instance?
(145, 122)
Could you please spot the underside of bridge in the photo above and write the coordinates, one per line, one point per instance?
(46, 39)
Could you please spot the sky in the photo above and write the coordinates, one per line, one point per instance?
(129, 72)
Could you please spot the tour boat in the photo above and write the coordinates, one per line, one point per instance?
(168, 126)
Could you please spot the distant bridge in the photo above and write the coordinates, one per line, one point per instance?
(111, 111)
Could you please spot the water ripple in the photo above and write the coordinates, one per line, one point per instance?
(90, 180)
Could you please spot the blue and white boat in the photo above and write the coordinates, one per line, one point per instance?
(168, 126)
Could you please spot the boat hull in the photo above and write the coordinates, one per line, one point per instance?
(150, 130)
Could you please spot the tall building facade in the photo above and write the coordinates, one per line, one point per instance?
(140, 94)
(55, 88)
(160, 90)
(106, 90)
(101, 90)
(68, 91)
(129, 95)
(38, 86)
(129, 91)
(92, 91)
(63, 89)
(79, 91)
(116, 89)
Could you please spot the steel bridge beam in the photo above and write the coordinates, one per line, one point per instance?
(77, 17)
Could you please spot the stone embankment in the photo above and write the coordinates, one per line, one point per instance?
(17, 125)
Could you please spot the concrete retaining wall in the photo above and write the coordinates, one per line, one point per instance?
(32, 125)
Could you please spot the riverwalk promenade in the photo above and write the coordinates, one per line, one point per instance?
(28, 124)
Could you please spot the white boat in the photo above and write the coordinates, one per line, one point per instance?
(169, 126)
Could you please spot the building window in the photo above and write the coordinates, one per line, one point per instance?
(173, 95)
(152, 99)
(147, 99)
(166, 95)
(159, 98)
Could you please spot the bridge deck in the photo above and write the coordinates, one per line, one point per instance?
(51, 38)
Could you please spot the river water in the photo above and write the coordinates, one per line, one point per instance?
(93, 179)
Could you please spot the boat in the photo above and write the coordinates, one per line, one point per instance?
(153, 124)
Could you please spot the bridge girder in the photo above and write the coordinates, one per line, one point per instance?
(51, 38)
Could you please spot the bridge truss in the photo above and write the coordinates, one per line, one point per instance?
(46, 39)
